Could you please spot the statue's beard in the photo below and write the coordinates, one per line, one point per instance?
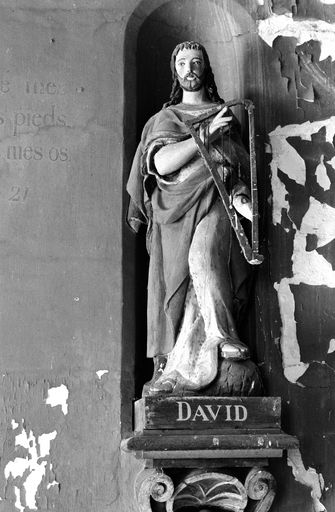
(191, 82)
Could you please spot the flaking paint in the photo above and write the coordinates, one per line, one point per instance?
(302, 30)
(58, 396)
(308, 267)
(29, 471)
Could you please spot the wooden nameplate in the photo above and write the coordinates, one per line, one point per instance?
(157, 413)
(200, 431)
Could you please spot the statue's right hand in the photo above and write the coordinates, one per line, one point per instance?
(218, 122)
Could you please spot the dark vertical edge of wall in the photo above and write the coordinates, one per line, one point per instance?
(128, 238)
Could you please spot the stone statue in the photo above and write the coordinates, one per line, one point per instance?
(197, 285)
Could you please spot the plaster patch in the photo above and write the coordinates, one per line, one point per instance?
(14, 424)
(322, 176)
(52, 484)
(308, 477)
(30, 469)
(44, 442)
(58, 396)
(331, 348)
(279, 199)
(32, 484)
(18, 503)
(304, 131)
(100, 373)
(302, 30)
(293, 373)
(16, 467)
(286, 157)
(308, 267)
(24, 440)
(290, 351)
(320, 220)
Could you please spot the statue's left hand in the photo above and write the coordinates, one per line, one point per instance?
(242, 200)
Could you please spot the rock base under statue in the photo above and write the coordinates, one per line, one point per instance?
(236, 378)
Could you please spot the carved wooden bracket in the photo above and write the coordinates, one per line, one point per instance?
(201, 489)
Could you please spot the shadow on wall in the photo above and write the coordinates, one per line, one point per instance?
(153, 31)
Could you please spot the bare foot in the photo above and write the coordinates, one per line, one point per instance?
(167, 384)
(162, 386)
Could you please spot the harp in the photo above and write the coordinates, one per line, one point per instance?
(251, 252)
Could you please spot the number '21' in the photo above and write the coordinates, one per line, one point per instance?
(18, 193)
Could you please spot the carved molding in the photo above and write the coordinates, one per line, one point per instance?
(261, 486)
(308, 477)
(202, 489)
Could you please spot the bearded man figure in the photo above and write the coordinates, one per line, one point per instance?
(197, 273)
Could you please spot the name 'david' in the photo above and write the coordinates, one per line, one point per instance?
(211, 412)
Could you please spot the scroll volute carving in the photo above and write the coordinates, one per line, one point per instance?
(261, 486)
(152, 484)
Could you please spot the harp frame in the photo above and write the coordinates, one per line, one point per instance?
(250, 252)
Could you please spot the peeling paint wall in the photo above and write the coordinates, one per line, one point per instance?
(28, 472)
(300, 323)
(61, 279)
(312, 221)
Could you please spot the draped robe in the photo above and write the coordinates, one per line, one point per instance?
(172, 206)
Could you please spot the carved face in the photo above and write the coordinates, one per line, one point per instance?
(190, 67)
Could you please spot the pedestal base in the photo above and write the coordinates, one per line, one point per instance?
(212, 434)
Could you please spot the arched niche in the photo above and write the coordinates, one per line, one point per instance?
(155, 27)
(227, 31)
